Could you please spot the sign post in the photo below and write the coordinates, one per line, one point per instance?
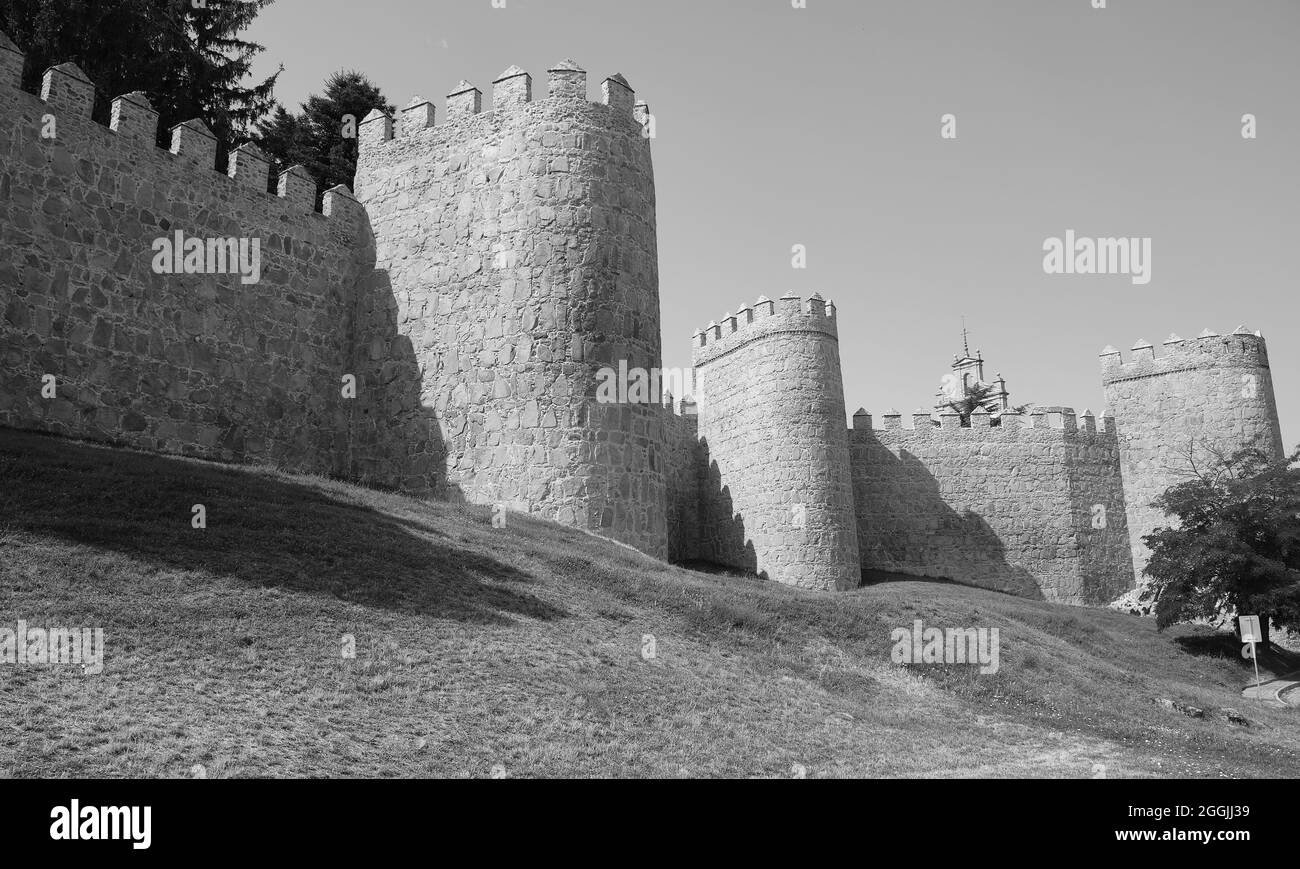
(1250, 635)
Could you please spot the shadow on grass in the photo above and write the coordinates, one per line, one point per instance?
(882, 578)
(1226, 645)
(260, 530)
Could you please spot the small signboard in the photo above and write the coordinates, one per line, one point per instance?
(1250, 635)
(1250, 632)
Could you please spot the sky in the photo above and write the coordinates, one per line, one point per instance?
(778, 126)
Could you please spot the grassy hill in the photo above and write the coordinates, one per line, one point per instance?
(520, 648)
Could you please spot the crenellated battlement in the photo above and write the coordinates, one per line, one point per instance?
(1241, 349)
(518, 246)
(1211, 392)
(683, 407)
(178, 306)
(68, 95)
(1032, 506)
(790, 313)
(923, 423)
(512, 93)
(471, 298)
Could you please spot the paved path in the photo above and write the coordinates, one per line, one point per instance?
(1276, 692)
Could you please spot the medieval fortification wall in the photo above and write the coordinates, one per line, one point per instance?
(777, 497)
(1208, 394)
(684, 469)
(490, 271)
(202, 364)
(515, 256)
(1032, 506)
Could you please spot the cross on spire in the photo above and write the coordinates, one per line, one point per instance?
(965, 337)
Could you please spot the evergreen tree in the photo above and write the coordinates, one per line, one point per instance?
(187, 58)
(120, 44)
(323, 136)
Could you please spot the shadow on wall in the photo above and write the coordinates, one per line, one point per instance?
(722, 539)
(1106, 553)
(261, 531)
(906, 527)
(395, 441)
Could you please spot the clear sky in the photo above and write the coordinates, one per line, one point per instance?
(821, 126)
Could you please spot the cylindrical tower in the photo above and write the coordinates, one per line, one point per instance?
(515, 257)
(778, 496)
(1213, 394)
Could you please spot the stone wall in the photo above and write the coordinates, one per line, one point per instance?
(495, 266)
(1032, 507)
(776, 497)
(515, 258)
(1213, 393)
(202, 364)
(682, 477)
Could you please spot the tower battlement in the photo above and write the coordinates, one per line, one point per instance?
(777, 367)
(1242, 348)
(512, 94)
(517, 254)
(1210, 393)
(791, 313)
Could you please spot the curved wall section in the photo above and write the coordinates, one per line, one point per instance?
(515, 251)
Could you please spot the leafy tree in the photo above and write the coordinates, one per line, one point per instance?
(187, 58)
(1237, 544)
(323, 136)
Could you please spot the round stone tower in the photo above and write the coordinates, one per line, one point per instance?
(1210, 394)
(514, 259)
(778, 496)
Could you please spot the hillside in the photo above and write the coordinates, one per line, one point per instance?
(520, 648)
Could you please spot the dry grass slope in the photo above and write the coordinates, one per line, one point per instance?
(520, 647)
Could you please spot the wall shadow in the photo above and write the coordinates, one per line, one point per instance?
(1106, 557)
(261, 531)
(906, 528)
(722, 541)
(394, 440)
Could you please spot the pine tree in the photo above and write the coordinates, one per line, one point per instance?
(323, 136)
(121, 45)
(187, 58)
(206, 81)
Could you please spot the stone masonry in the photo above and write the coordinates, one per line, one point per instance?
(771, 423)
(446, 332)
(1032, 506)
(201, 364)
(1211, 393)
(516, 257)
